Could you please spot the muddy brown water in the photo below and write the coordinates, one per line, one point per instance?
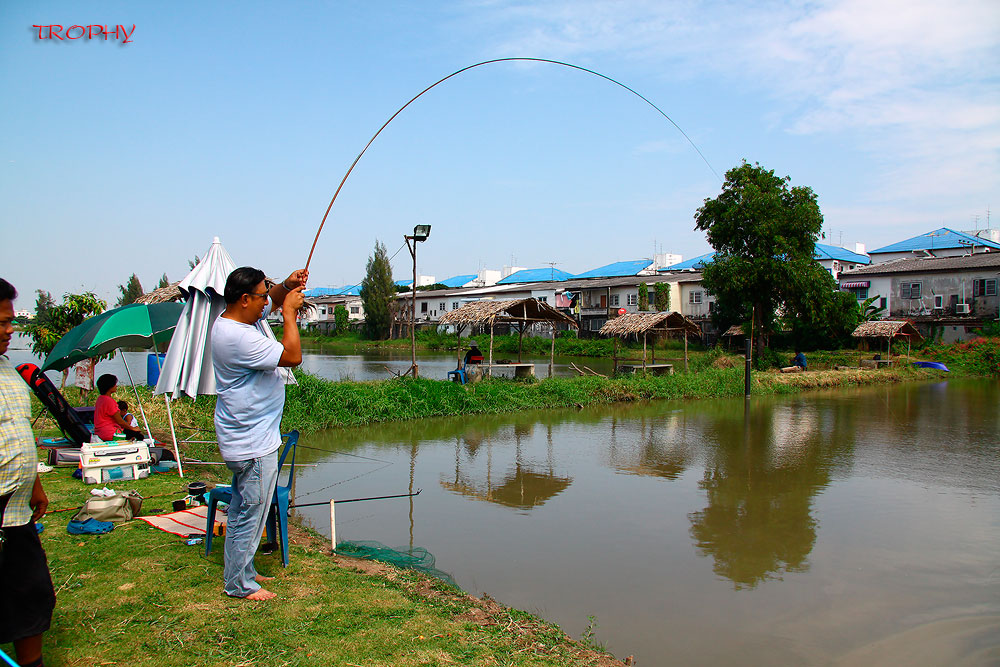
(857, 526)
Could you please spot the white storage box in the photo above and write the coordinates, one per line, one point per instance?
(109, 461)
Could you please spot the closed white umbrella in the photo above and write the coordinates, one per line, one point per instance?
(187, 369)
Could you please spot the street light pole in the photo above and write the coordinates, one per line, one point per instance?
(420, 233)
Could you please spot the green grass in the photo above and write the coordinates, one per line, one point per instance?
(139, 596)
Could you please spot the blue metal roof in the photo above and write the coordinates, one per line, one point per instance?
(347, 290)
(694, 263)
(939, 239)
(458, 281)
(617, 270)
(535, 276)
(403, 283)
(841, 254)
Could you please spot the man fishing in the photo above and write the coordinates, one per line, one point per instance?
(251, 398)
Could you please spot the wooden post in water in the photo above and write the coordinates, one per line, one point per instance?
(552, 350)
(685, 350)
(643, 351)
(614, 353)
(491, 349)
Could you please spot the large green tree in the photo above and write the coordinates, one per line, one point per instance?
(377, 292)
(764, 234)
(130, 291)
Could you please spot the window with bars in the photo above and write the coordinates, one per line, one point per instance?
(694, 297)
(633, 299)
(614, 301)
(454, 305)
(984, 287)
(909, 291)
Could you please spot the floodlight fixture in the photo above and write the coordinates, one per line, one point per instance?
(421, 232)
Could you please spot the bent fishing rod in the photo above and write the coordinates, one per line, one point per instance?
(358, 500)
(480, 64)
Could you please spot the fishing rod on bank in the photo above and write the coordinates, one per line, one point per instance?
(357, 500)
(480, 64)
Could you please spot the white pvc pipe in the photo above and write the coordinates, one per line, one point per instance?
(333, 525)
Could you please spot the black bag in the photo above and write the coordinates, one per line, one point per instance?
(70, 423)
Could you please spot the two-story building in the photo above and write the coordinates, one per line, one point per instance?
(942, 242)
(948, 296)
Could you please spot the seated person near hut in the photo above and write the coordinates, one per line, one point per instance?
(800, 360)
(107, 416)
(473, 356)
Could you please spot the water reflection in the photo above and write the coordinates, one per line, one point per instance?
(805, 530)
(523, 485)
(760, 481)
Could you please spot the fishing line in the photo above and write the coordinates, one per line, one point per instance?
(480, 64)
(337, 451)
(349, 479)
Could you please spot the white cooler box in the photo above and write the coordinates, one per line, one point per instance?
(110, 461)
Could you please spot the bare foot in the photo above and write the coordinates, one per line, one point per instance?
(260, 578)
(261, 594)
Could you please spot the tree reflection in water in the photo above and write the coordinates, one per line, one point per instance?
(760, 481)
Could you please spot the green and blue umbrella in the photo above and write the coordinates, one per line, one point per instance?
(135, 325)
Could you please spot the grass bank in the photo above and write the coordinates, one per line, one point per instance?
(139, 596)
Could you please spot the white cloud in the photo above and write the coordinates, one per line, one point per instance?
(911, 83)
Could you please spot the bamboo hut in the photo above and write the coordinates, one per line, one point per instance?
(889, 330)
(633, 324)
(515, 311)
(171, 292)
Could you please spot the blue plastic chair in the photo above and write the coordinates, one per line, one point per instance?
(278, 512)
(459, 373)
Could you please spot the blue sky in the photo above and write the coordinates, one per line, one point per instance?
(238, 120)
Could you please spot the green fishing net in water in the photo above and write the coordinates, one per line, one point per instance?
(410, 558)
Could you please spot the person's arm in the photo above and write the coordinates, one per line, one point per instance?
(38, 502)
(279, 291)
(292, 354)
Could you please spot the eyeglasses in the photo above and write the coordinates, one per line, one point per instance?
(262, 294)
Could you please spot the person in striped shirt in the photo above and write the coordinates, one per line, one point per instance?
(26, 594)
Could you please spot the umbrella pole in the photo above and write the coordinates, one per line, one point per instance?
(137, 399)
(170, 418)
(173, 436)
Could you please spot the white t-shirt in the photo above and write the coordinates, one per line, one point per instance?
(251, 390)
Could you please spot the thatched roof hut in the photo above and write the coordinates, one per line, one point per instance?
(636, 324)
(890, 330)
(513, 311)
(632, 324)
(886, 329)
(162, 294)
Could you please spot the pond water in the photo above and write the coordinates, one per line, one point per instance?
(855, 526)
(334, 364)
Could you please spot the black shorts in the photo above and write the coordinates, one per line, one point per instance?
(26, 594)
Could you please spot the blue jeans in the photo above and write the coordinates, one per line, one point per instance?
(253, 489)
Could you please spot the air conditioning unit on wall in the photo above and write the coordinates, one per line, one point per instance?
(961, 309)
